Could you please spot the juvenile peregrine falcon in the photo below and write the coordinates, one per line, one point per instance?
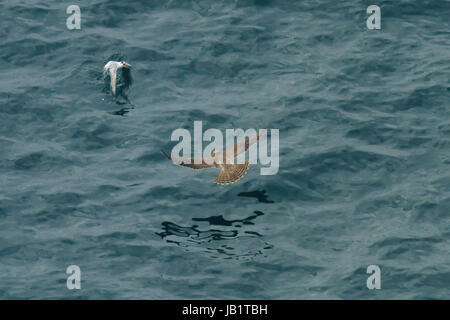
(229, 172)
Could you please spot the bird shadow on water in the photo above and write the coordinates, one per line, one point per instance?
(123, 85)
(226, 239)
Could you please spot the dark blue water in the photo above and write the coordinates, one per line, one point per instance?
(364, 150)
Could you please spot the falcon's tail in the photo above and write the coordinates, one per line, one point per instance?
(231, 173)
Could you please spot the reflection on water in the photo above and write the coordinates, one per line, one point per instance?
(258, 194)
(121, 112)
(229, 239)
(221, 221)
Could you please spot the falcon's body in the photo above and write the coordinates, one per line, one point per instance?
(229, 172)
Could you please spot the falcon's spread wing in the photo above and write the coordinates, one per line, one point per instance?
(189, 162)
(231, 173)
(236, 149)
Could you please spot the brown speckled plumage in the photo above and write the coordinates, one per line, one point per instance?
(229, 172)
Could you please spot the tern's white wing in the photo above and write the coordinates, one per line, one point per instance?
(112, 75)
(111, 67)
